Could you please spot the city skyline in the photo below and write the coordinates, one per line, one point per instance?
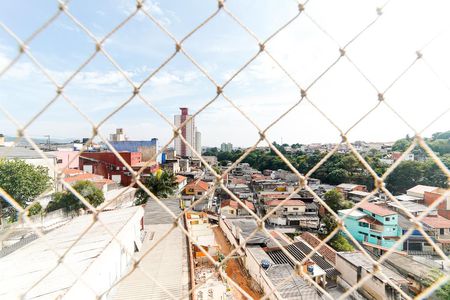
(262, 91)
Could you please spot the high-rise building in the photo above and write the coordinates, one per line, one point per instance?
(189, 132)
(226, 147)
(198, 141)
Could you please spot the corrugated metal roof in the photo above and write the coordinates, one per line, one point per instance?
(167, 263)
(23, 153)
(294, 287)
(29, 264)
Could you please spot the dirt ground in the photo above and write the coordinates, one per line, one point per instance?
(234, 269)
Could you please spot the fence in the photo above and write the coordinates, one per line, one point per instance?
(63, 9)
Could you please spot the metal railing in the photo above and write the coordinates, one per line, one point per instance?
(62, 8)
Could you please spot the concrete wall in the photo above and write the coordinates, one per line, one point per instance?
(67, 159)
(372, 288)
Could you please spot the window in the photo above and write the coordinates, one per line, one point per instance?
(388, 219)
(362, 224)
(295, 208)
(442, 231)
(59, 161)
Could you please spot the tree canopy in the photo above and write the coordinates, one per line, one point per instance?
(23, 182)
(411, 173)
(340, 243)
(336, 201)
(69, 202)
(162, 184)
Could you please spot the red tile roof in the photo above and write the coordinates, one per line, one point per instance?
(326, 251)
(249, 204)
(72, 171)
(376, 209)
(437, 222)
(286, 203)
(180, 178)
(236, 205)
(99, 183)
(230, 203)
(238, 180)
(86, 176)
(199, 185)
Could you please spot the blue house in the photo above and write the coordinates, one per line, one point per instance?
(373, 225)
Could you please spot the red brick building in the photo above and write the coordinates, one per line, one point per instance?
(109, 166)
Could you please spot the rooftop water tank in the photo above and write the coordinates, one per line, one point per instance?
(265, 264)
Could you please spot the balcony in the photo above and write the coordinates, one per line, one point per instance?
(377, 228)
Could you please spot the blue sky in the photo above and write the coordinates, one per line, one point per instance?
(221, 47)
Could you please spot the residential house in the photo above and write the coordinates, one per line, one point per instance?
(373, 225)
(346, 188)
(416, 243)
(233, 208)
(419, 191)
(72, 176)
(292, 213)
(354, 266)
(181, 182)
(396, 155)
(109, 166)
(358, 196)
(66, 158)
(172, 165)
(211, 160)
(241, 190)
(195, 190)
(439, 228)
(443, 209)
(285, 176)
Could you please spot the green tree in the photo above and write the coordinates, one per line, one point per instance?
(442, 293)
(23, 182)
(69, 202)
(340, 243)
(336, 201)
(35, 208)
(330, 223)
(406, 175)
(401, 145)
(162, 184)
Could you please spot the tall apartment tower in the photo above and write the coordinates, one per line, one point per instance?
(189, 132)
(198, 141)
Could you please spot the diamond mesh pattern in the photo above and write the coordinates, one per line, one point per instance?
(62, 8)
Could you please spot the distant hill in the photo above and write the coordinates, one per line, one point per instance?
(39, 140)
